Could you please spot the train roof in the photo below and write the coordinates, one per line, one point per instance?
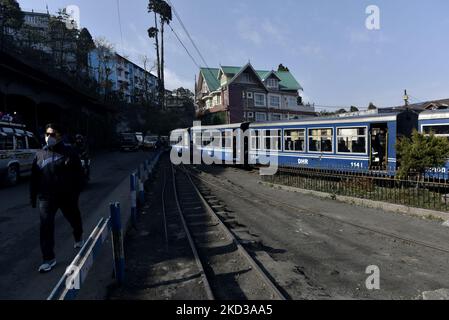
(225, 126)
(392, 116)
(434, 114)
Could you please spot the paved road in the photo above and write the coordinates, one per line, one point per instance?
(20, 254)
(316, 252)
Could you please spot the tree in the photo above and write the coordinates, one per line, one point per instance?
(84, 45)
(33, 38)
(163, 9)
(421, 152)
(341, 111)
(183, 94)
(62, 40)
(148, 94)
(11, 17)
(372, 106)
(354, 109)
(106, 56)
(283, 68)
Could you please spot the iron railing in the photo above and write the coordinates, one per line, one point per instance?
(427, 191)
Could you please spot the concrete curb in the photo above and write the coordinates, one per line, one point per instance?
(367, 203)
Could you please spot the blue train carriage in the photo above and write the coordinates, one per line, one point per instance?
(436, 121)
(180, 140)
(354, 143)
(223, 143)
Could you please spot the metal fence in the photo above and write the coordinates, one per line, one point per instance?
(421, 191)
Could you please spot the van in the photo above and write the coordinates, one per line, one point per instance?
(18, 148)
(129, 142)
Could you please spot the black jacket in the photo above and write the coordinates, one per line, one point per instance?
(56, 173)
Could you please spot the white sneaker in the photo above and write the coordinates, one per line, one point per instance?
(47, 266)
(79, 245)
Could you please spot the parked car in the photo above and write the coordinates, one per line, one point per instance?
(139, 136)
(150, 142)
(18, 149)
(129, 142)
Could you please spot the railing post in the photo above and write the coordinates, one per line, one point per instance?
(117, 243)
(145, 170)
(133, 194)
(141, 189)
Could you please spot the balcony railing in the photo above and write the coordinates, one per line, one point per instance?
(302, 108)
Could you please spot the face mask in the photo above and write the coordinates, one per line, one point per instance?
(51, 142)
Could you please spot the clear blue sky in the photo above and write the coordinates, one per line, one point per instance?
(325, 43)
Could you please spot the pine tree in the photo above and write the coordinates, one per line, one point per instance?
(421, 152)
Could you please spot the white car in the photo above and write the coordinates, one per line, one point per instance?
(18, 149)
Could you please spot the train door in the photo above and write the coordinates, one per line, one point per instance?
(379, 146)
(235, 155)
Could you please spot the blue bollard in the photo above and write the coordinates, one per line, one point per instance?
(133, 193)
(117, 243)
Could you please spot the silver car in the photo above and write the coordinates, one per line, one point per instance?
(18, 149)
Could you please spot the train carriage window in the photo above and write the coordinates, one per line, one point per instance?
(227, 138)
(439, 131)
(321, 140)
(272, 140)
(295, 140)
(352, 140)
(255, 142)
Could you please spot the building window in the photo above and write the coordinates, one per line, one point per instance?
(321, 140)
(352, 140)
(276, 117)
(218, 100)
(272, 83)
(250, 115)
(261, 116)
(295, 140)
(260, 100)
(292, 101)
(250, 95)
(275, 101)
(245, 78)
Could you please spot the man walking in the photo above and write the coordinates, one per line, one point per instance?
(56, 181)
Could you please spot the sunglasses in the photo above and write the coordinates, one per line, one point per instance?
(53, 135)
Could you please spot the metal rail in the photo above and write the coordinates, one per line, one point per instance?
(298, 208)
(206, 283)
(243, 252)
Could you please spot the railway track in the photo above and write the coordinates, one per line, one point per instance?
(232, 189)
(227, 270)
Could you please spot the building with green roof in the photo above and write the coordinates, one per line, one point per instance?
(236, 94)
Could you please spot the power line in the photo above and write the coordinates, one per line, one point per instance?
(193, 42)
(185, 48)
(120, 25)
